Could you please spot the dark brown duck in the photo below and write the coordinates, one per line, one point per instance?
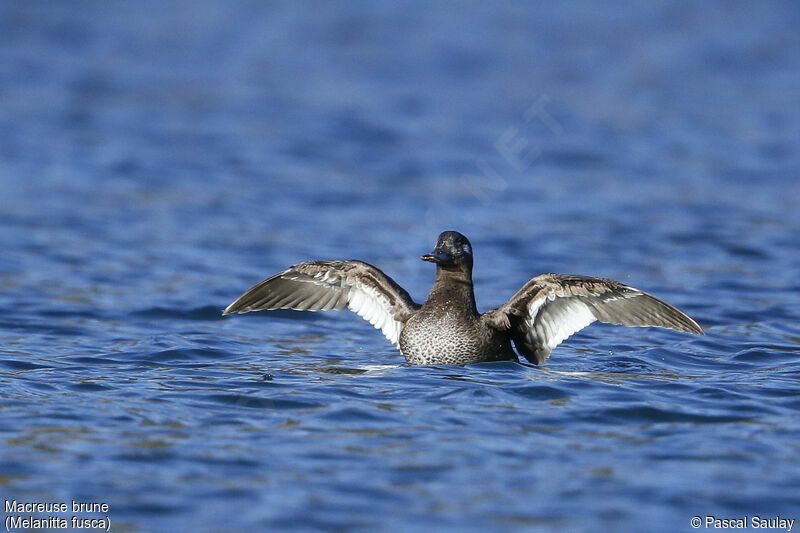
(447, 328)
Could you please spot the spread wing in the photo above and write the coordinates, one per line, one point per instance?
(551, 307)
(324, 285)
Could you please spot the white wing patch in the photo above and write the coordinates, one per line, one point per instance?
(333, 285)
(367, 302)
(553, 319)
(373, 307)
(554, 306)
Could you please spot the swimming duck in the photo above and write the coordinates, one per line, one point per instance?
(448, 329)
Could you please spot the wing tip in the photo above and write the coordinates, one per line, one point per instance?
(236, 308)
(229, 310)
(692, 326)
(680, 320)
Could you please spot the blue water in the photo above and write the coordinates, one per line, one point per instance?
(157, 159)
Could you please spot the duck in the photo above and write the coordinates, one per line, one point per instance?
(448, 329)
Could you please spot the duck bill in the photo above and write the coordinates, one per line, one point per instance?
(437, 256)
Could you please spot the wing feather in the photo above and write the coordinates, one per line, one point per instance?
(325, 285)
(551, 307)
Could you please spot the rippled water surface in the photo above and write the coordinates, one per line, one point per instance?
(160, 158)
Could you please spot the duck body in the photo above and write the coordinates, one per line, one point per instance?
(447, 328)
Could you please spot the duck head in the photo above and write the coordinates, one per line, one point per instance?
(453, 252)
